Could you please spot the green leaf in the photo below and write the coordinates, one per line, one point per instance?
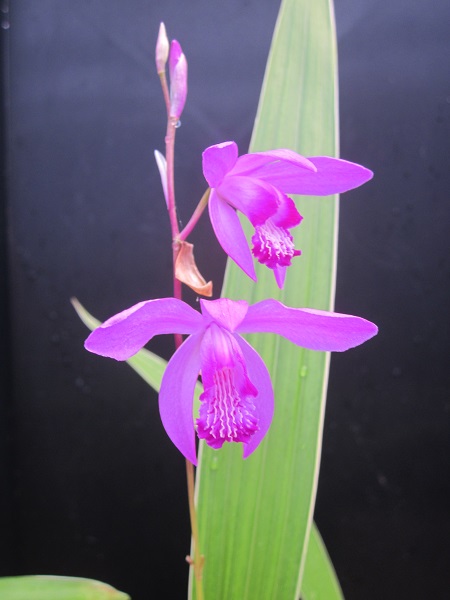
(319, 579)
(52, 587)
(255, 516)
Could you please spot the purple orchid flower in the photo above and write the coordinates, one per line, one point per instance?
(257, 184)
(237, 402)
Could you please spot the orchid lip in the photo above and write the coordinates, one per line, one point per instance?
(273, 245)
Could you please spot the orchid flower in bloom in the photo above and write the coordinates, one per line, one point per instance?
(256, 184)
(237, 402)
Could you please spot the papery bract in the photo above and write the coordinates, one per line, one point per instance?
(162, 168)
(237, 402)
(256, 185)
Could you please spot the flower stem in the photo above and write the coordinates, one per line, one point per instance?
(165, 90)
(197, 561)
(195, 216)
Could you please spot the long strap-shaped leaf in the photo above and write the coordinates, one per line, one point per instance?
(319, 578)
(52, 587)
(255, 516)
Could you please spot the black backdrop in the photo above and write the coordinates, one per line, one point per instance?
(91, 486)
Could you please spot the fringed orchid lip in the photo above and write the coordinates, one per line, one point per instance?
(238, 401)
(256, 185)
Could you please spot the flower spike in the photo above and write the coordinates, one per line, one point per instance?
(256, 185)
(238, 402)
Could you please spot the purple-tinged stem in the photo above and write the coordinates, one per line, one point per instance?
(165, 90)
(171, 206)
(197, 562)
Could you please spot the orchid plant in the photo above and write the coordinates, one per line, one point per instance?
(237, 403)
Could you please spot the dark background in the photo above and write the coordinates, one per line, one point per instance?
(90, 484)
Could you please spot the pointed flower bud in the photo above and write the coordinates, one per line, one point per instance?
(178, 79)
(162, 49)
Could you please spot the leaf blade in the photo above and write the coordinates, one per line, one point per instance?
(255, 516)
(319, 580)
(53, 587)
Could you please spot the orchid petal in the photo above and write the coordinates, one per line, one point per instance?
(259, 374)
(230, 234)
(256, 199)
(280, 275)
(226, 313)
(287, 215)
(333, 176)
(124, 334)
(177, 394)
(218, 160)
(312, 329)
(162, 168)
(273, 165)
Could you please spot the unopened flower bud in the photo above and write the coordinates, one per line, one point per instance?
(162, 168)
(178, 79)
(162, 49)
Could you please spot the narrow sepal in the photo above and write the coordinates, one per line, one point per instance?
(124, 334)
(312, 329)
(230, 234)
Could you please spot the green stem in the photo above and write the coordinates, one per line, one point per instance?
(199, 559)
(195, 216)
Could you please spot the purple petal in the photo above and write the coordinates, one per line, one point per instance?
(177, 395)
(273, 246)
(273, 166)
(124, 334)
(227, 410)
(227, 313)
(230, 234)
(312, 329)
(264, 402)
(333, 176)
(256, 199)
(218, 160)
(280, 275)
(287, 214)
